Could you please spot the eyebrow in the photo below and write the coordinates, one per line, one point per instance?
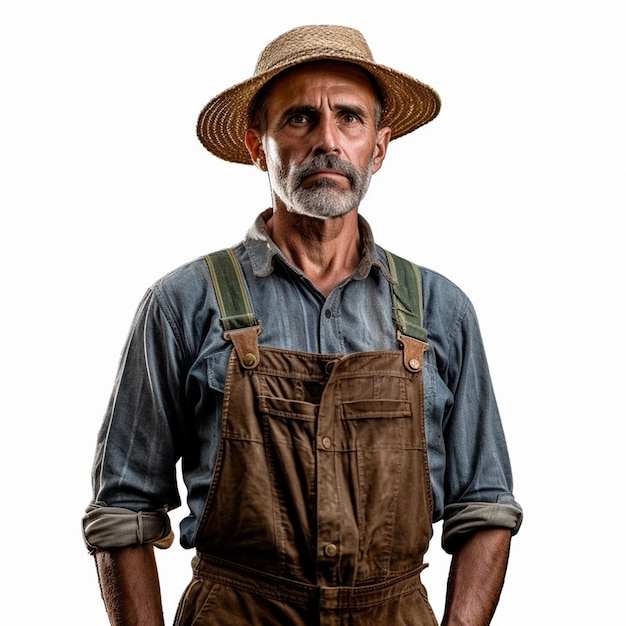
(307, 109)
(299, 108)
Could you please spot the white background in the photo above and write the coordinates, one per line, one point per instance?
(514, 192)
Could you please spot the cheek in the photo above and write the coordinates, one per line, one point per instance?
(275, 158)
(286, 147)
(365, 159)
(282, 160)
(270, 149)
(376, 157)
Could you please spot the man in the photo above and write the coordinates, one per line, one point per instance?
(329, 400)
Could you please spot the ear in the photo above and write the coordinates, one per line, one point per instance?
(383, 139)
(255, 148)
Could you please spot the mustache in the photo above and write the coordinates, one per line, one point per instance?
(326, 162)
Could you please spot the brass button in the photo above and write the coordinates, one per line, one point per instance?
(414, 364)
(327, 443)
(330, 550)
(249, 359)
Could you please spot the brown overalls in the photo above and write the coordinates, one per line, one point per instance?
(320, 508)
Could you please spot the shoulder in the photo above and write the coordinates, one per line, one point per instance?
(186, 297)
(448, 311)
(185, 285)
(439, 292)
(192, 280)
(183, 303)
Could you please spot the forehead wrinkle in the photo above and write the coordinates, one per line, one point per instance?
(338, 106)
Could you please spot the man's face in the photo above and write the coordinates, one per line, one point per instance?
(321, 145)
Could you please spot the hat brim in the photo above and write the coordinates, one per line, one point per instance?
(222, 124)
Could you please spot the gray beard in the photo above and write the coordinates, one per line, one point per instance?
(325, 199)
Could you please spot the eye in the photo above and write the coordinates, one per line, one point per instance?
(298, 119)
(352, 117)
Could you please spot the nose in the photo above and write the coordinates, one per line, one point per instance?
(327, 138)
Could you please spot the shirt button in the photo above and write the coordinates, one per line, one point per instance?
(330, 550)
(328, 313)
(327, 443)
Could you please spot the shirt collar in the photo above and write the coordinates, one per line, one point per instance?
(262, 250)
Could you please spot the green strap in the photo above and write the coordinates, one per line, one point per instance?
(408, 305)
(230, 289)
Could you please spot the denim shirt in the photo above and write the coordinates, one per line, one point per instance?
(167, 399)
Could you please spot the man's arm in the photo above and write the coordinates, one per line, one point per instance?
(130, 588)
(476, 578)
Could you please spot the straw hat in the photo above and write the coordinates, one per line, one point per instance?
(407, 102)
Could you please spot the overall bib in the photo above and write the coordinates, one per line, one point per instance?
(320, 509)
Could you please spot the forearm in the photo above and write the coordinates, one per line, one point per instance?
(476, 578)
(129, 584)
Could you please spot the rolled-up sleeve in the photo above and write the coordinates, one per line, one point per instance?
(461, 520)
(110, 528)
(134, 472)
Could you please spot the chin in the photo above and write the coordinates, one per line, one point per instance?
(324, 203)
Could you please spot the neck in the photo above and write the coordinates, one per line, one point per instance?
(327, 251)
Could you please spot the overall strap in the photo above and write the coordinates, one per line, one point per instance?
(236, 312)
(230, 289)
(408, 304)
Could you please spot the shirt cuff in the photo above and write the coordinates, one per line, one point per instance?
(109, 528)
(460, 520)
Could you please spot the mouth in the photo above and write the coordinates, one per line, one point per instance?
(325, 171)
(325, 174)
